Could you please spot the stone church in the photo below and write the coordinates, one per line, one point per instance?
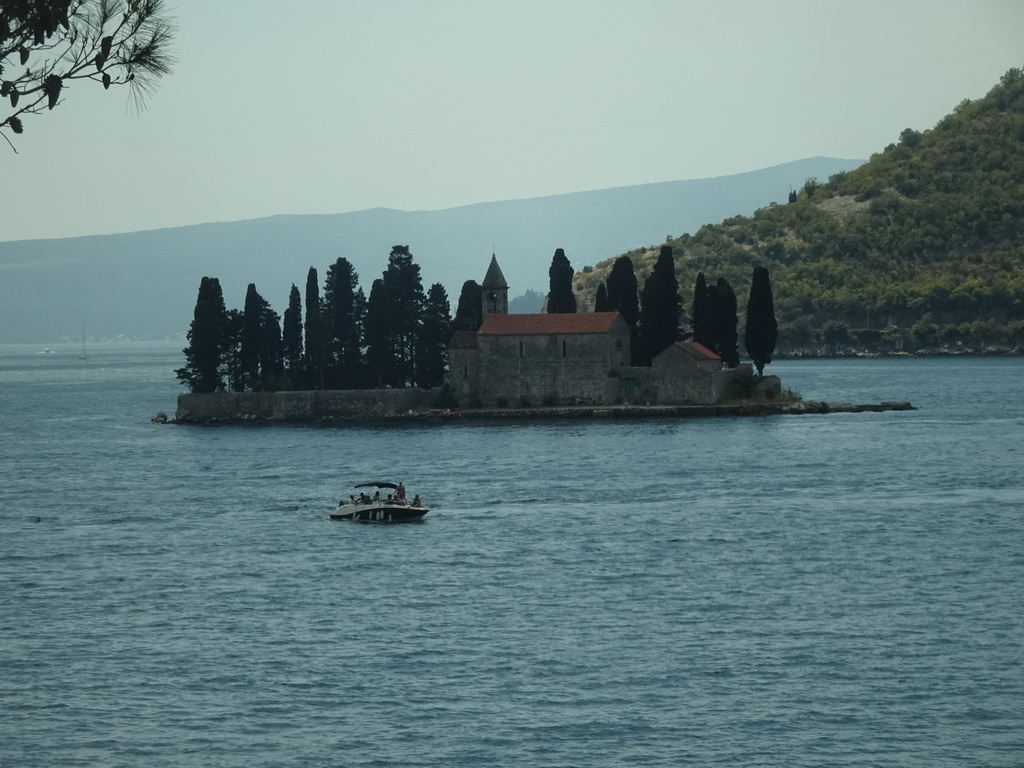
(562, 359)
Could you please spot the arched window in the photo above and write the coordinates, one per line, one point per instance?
(565, 349)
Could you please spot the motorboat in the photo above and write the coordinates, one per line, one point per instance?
(385, 504)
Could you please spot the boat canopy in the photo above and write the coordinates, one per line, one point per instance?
(377, 485)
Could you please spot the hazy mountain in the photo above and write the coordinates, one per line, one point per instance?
(144, 284)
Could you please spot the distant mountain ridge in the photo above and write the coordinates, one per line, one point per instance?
(144, 284)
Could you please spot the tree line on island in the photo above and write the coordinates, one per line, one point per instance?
(343, 339)
(398, 336)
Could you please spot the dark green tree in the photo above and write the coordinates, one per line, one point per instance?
(380, 348)
(344, 308)
(561, 299)
(233, 352)
(622, 290)
(714, 332)
(271, 351)
(111, 42)
(660, 308)
(404, 291)
(762, 330)
(260, 346)
(469, 314)
(625, 299)
(601, 301)
(432, 357)
(291, 337)
(703, 331)
(723, 310)
(207, 339)
(316, 335)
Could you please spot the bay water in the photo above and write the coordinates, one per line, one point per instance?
(827, 590)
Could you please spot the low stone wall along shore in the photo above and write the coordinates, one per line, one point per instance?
(415, 405)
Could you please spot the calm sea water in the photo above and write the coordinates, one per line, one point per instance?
(841, 590)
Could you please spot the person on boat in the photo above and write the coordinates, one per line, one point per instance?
(416, 500)
(401, 491)
(376, 496)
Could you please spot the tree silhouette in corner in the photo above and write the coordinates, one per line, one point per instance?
(111, 42)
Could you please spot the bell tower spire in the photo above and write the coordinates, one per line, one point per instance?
(494, 290)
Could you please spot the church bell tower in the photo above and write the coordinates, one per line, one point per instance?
(494, 290)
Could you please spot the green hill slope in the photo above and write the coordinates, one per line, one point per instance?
(922, 247)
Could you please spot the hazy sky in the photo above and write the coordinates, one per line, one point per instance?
(329, 106)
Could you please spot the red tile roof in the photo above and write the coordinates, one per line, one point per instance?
(699, 350)
(691, 349)
(542, 324)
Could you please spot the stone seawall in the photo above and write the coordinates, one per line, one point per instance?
(415, 405)
(301, 407)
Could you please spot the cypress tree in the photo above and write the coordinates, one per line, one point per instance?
(714, 333)
(343, 311)
(291, 337)
(232, 352)
(601, 301)
(469, 314)
(432, 356)
(724, 312)
(380, 353)
(625, 299)
(622, 290)
(561, 299)
(404, 290)
(260, 344)
(316, 334)
(660, 307)
(271, 350)
(250, 339)
(702, 324)
(762, 329)
(207, 339)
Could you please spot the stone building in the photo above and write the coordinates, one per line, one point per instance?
(548, 359)
(540, 359)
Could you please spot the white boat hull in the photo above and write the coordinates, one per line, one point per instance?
(379, 512)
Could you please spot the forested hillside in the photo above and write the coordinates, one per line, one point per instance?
(922, 247)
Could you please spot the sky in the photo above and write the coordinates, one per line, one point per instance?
(331, 106)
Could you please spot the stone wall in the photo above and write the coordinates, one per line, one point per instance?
(683, 384)
(329, 405)
(542, 367)
(464, 374)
